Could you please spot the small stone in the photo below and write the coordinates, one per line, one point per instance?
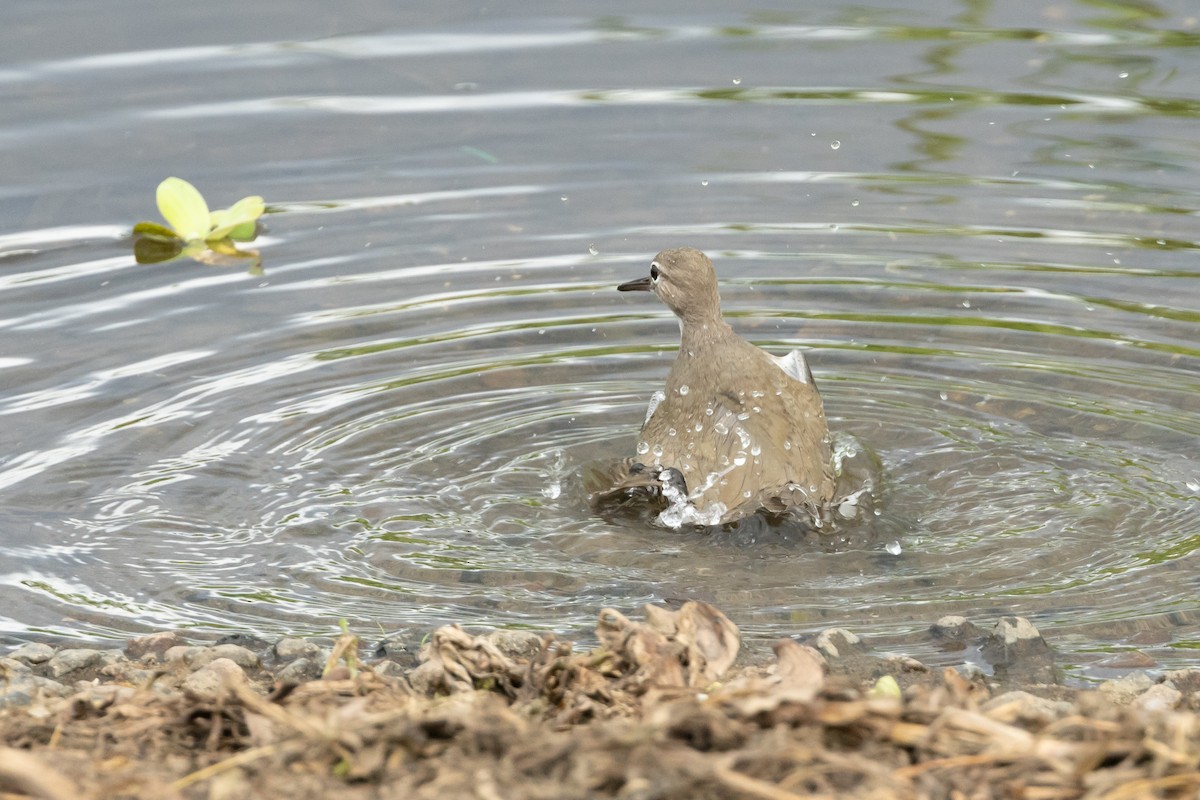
(838, 643)
(1185, 680)
(1018, 653)
(15, 696)
(905, 664)
(1027, 710)
(388, 669)
(290, 648)
(1123, 690)
(243, 657)
(515, 643)
(246, 640)
(33, 653)
(11, 666)
(402, 647)
(156, 645)
(301, 670)
(971, 671)
(1160, 697)
(181, 653)
(954, 632)
(1013, 639)
(128, 672)
(22, 690)
(73, 659)
(208, 682)
(246, 659)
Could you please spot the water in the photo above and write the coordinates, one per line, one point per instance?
(984, 228)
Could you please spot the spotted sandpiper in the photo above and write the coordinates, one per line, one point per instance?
(735, 429)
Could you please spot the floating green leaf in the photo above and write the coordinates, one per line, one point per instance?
(153, 230)
(193, 231)
(240, 218)
(184, 209)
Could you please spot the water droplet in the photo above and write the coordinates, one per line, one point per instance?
(704, 183)
(1193, 485)
(966, 303)
(657, 450)
(708, 411)
(643, 448)
(593, 250)
(1122, 74)
(787, 445)
(833, 226)
(854, 203)
(746, 494)
(699, 426)
(745, 415)
(683, 390)
(720, 428)
(756, 450)
(738, 81)
(757, 394)
(670, 431)
(564, 198)
(541, 331)
(894, 548)
(835, 144)
(944, 395)
(739, 459)
(757, 409)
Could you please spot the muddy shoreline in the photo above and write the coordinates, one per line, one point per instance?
(667, 706)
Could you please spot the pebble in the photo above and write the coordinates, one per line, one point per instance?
(209, 681)
(199, 657)
(72, 659)
(954, 632)
(1014, 639)
(22, 689)
(156, 644)
(838, 642)
(1027, 709)
(33, 653)
(11, 666)
(301, 670)
(290, 648)
(1160, 697)
(1124, 689)
(515, 643)
(401, 647)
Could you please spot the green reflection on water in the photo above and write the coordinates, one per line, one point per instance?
(78, 598)
(1173, 552)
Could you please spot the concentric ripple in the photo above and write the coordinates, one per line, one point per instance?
(984, 231)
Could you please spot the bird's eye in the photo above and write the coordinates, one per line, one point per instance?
(654, 270)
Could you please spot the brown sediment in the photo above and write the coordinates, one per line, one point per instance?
(654, 712)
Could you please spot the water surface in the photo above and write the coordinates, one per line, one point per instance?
(984, 228)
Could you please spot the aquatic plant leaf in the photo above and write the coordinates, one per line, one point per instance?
(153, 250)
(155, 231)
(244, 212)
(244, 232)
(184, 209)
